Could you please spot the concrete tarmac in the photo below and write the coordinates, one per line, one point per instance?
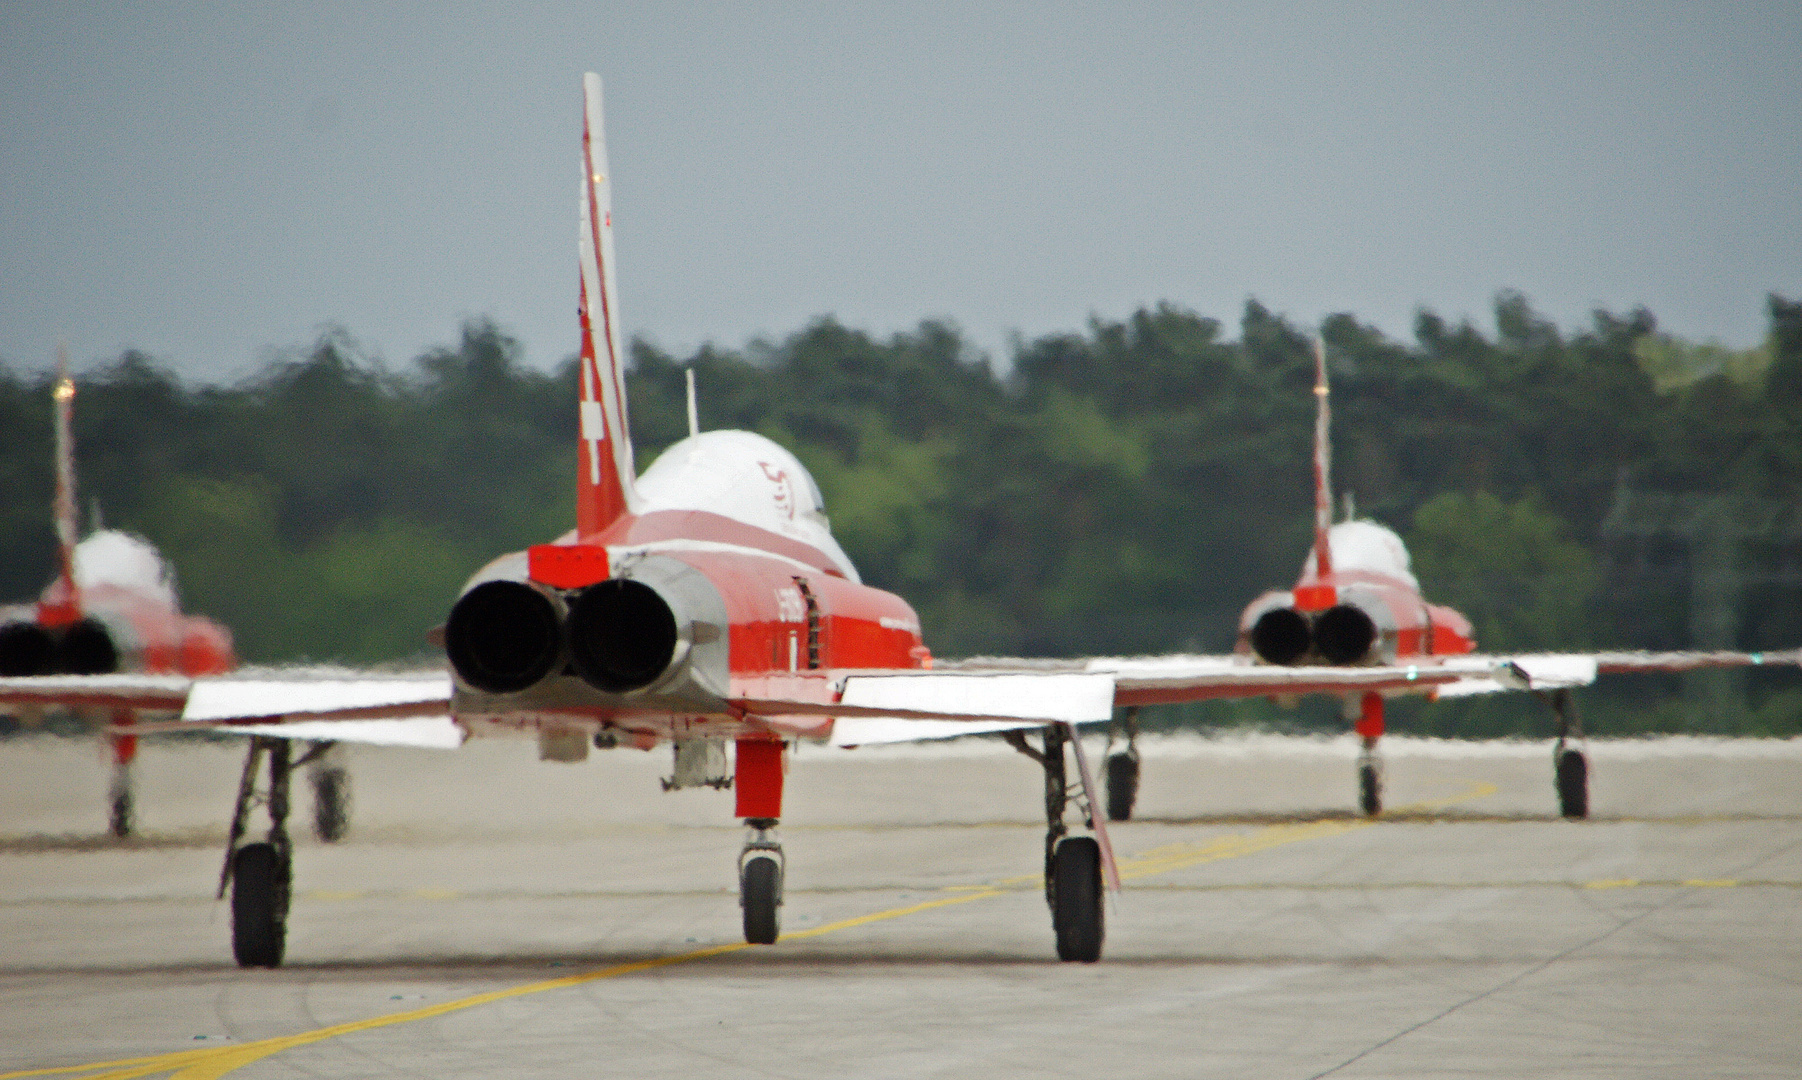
(491, 915)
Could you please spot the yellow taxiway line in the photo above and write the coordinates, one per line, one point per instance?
(213, 1062)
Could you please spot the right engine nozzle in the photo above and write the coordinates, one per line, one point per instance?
(1343, 634)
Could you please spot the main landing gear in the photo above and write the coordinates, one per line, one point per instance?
(1123, 767)
(1073, 864)
(260, 874)
(757, 782)
(1570, 767)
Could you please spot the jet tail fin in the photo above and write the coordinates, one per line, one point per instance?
(1323, 458)
(605, 475)
(63, 602)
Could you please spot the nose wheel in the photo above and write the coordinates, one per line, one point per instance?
(1370, 782)
(760, 872)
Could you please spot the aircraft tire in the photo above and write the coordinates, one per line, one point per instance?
(260, 885)
(331, 804)
(1573, 784)
(760, 894)
(1122, 786)
(1370, 790)
(1076, 908)
(119, 813)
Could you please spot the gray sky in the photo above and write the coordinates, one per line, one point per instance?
(213, 182)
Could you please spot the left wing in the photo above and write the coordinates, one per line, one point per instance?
(405, 709)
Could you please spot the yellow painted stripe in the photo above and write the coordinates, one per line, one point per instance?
(1612, 883)
(214, 1062)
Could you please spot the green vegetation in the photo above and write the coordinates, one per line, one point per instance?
(1120, 490)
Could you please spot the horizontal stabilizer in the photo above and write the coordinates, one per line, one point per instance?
(354, 698)
(1071, 698)
(426, 732)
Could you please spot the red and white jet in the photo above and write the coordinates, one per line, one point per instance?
(1357, 604)
(112, 608)
(706, 604)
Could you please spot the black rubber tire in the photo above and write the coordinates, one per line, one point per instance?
(760, 894)
(331, 804)
(1122, 786)
(1573, 784)
(120, 813)
(1370, 790)
(260, 885)
(1076, 909)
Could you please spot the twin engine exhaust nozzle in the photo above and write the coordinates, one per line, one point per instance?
(1342, 634)
(84, 647)
(620, 636)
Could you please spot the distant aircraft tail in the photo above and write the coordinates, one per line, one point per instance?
(605, 476)
(1323, 458)
(62, 602)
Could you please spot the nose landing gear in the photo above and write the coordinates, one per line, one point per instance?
(760, 872)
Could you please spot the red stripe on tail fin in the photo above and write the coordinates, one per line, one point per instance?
(1323, 457)
(62, 601)
(605, 474)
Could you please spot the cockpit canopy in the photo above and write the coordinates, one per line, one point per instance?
(748, 478)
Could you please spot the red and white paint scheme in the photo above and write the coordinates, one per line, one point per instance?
(706, 605)
(112, 608)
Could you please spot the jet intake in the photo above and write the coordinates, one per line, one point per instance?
(1343, 634)
(504, 636)
(622, 635)
(1281, 636)
(25, 649)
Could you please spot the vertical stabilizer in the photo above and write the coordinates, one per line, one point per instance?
(605, 475)
(62, 603)
(1323, 460)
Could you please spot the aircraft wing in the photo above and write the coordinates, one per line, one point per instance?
(1163, 680)
(405, 709)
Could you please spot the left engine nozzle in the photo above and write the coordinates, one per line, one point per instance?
(25, 649)
(504, 636)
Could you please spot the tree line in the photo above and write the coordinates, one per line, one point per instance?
(1124, 488)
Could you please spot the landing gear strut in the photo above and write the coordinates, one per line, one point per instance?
(1073, 864)
(1369, 727)
(1123, 768)
(119, 799)
(1570, 767)
(260, 875)
(757, 785)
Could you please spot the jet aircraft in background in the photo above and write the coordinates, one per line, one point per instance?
(706, 605)
(1358, 603)
(112, 608)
